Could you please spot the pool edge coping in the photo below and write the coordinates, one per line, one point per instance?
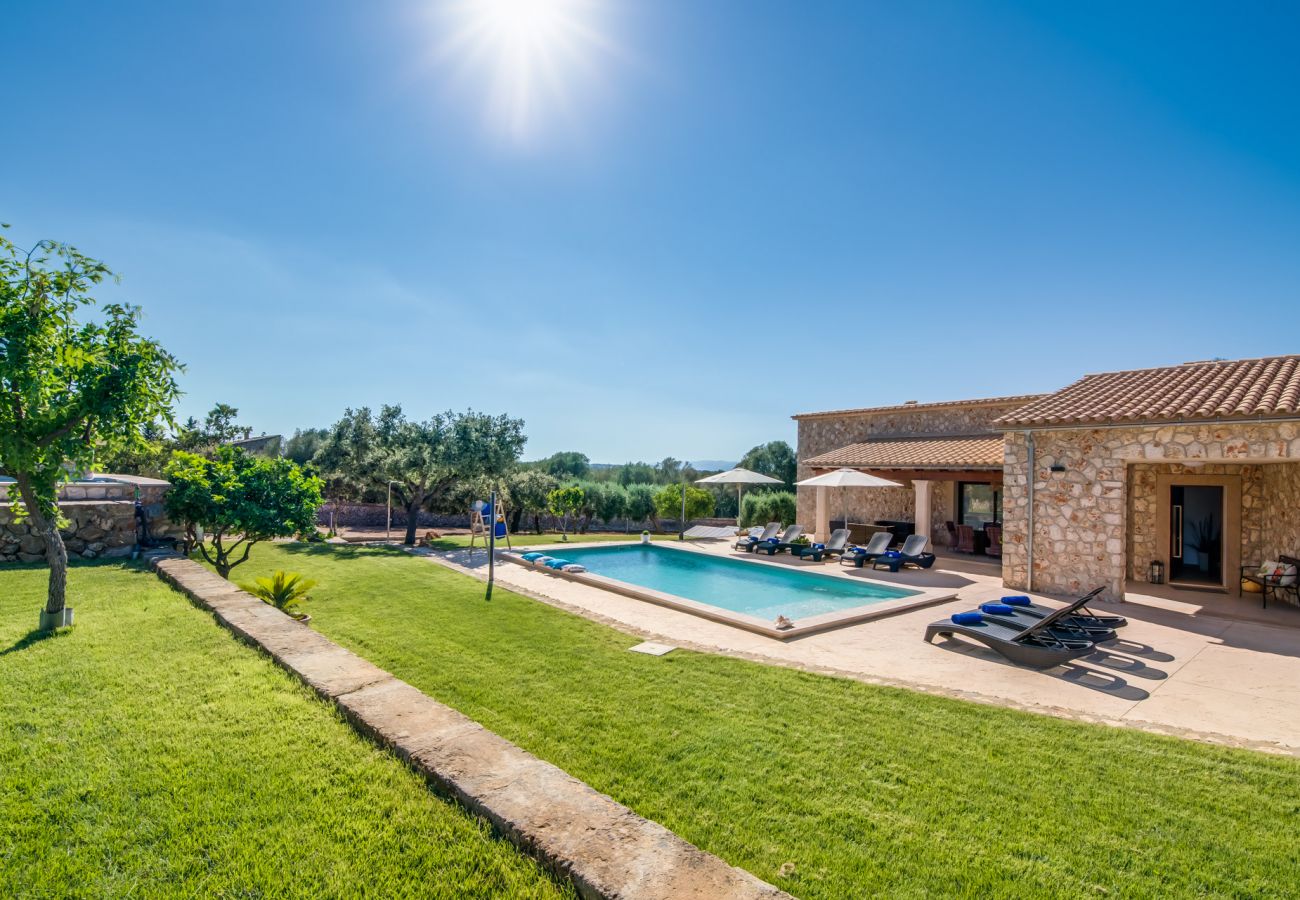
(812, 625)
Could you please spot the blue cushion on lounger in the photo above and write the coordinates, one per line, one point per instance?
(819, 546)
(998, 609)
(891, 554)
(533, 555)
(967, 618)
(1017, 600)
(557, 563)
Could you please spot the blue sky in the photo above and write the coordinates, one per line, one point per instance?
(708, 216)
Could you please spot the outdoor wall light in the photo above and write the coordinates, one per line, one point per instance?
(1057, 468)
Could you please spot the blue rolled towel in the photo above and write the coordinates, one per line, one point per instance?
(819, 546)
(998, 609)
(533, 555)
(1018, 600)
(967, 618)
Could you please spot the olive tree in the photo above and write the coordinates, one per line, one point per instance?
(530, 492)
(423, 460)
(71, 387)
(238, 499)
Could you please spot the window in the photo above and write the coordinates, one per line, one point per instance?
(978, 504)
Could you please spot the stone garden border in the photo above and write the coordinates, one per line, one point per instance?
(605, 849)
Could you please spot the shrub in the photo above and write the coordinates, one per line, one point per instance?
(286, 591)
(774, 506)
(668, 502)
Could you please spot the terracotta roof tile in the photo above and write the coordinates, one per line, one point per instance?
(1234, 389)
(1019, 400)
(956, 452)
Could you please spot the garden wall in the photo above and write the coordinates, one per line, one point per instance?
(100, 520)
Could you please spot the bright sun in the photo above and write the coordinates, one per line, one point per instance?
(528, 56)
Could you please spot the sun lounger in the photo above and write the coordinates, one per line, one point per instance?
(838, 541)
(1066, 627)
(1039, 645)
(786, 541)
(1082, 616)
(858, 556)
(752, 540)
(912, 553)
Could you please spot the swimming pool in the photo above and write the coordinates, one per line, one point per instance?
(750, 588)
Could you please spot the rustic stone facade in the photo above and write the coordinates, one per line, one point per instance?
(100, 520)
(1096, 522)
(823, 433)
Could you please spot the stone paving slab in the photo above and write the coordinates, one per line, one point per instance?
(604, 848)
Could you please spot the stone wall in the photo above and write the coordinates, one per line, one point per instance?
(1144, 510)
(822, 434)
(100, 520)
(1082, 533)
(1280, 502)
(867, 505)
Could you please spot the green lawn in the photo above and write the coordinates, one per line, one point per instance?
(146, 753)
(865, 790)
(528, 539)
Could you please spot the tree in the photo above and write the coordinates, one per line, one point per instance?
(774, 459)
(304, 444)
(424, 460)
(564, 502)
(668, 471)
(239, 499)
(636, 473)
(567, 464)
(530, 491)
(613, 503)
(641, 504)
(70, 390)
(668, 502)
(218, 427)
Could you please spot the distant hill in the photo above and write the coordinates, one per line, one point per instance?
(709, 465)
(703, 465)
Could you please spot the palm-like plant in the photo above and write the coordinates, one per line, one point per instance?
(283, 590)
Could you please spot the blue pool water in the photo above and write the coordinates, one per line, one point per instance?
(745, 587)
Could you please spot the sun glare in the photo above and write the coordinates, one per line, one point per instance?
(526, 59)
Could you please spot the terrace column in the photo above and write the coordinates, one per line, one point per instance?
(823, 527)
(922, 489)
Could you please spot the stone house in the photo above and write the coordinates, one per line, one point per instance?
(948, 457)
(1195, 468)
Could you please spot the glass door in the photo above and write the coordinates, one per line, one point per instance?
(1196, 534)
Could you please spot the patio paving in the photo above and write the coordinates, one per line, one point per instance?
(1213, 669)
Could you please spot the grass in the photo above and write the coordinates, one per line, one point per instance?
(146, 753)
(529, 539)
(855, 790)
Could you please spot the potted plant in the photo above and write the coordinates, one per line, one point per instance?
(645, 537)
(286, 591)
